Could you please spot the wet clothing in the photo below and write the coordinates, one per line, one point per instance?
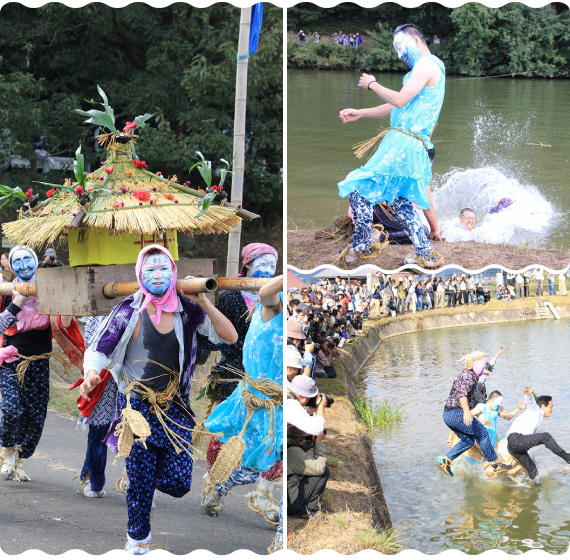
(463, 386)
(489, 415)
(468, 435)
(518, 446)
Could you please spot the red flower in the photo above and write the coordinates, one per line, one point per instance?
(217, 188)
(29, 194)
(129, 126)
(202, 190)
(78, 190)
(169, 196)
(109, 169)
(50, 193)
(139, 164)
(141, 194)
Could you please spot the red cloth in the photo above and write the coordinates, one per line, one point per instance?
(69, 339)
(252, 251)
(86, 407)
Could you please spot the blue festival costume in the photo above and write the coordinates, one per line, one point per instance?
(262, 359)
(399, 172)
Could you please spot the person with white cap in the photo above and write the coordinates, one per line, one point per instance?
(299, 392)
(292, 362)
(296, 339)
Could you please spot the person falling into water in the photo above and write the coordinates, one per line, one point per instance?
(458, 417)
(522, 435)
(399, 172)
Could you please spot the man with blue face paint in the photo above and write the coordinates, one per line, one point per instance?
(398, 174)
(258, 261)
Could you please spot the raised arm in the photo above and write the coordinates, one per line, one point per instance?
(270, 299)
(424, 72)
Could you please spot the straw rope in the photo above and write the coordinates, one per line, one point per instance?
(25, 362)
(361, 148)
(230, 456)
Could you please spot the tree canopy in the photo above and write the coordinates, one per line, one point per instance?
(475, 40)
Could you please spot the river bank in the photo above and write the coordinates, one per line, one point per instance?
(350, 482)
(305, 251)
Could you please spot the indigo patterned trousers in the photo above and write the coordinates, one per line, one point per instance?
(402, 210)
(24, 409)
(468, 435)
(96, 457)
(157, 467)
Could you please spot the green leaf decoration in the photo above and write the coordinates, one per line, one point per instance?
(141, 120)
(204, 203)
(108, 108)
(78, 167)
(99, 118)
(10, 193)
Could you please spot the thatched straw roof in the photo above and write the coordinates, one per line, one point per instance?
(128, 199)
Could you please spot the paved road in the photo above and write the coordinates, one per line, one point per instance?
(48, 514)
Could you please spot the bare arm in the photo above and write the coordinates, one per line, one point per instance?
(270, 300)
(222, 325)
(424, 72)
(509, 415)
(467, 416)
(380, 112)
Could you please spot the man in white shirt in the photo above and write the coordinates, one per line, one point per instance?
(522, 435)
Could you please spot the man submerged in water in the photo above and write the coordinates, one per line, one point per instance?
(522, 435)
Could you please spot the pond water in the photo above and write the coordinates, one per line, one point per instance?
(471, 512)
(483, 144)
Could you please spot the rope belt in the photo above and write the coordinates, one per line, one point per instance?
(232, 452)
(25, 362)
(135, 424)
(363, 147)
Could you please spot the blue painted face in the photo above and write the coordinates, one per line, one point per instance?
(23, 264)
(407, 49)
(156, 273)
(411, 55)
(263, 266)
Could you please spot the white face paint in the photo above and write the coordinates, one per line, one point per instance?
(406, 48)
(156, 273)
(263, 266)
(23, 264)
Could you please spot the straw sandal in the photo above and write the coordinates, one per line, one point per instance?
(499, 467)
(8, 469)
(20, 475)
(445, 465)
(350, 256)
(431, 260)
(263, 503)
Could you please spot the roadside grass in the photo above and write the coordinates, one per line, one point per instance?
(382, 414)
(389, 541)
(333, 462)
(63, 401)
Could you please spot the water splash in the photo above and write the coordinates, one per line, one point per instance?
(499, 173)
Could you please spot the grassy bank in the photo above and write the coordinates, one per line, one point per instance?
(327, 54)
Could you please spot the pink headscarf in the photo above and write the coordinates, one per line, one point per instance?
(169, 301)
(475, 361)
(252, 251)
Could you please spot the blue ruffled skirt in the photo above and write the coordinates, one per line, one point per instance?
(400, 167)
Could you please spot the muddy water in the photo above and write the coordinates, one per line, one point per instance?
(483, 143)
(471, 512)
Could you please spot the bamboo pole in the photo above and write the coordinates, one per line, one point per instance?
(191, 286)
(24, 289)
(247, 284)
(234, 237)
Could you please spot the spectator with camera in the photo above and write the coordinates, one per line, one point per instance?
(307, 474)
(324, 358)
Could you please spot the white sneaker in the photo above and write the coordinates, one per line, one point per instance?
(8, 470)
(88, 493)
(138, 547)
(265, 505)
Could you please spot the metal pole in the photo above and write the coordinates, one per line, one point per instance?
(234, 237)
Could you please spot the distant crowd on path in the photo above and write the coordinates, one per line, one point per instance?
(353, 40)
